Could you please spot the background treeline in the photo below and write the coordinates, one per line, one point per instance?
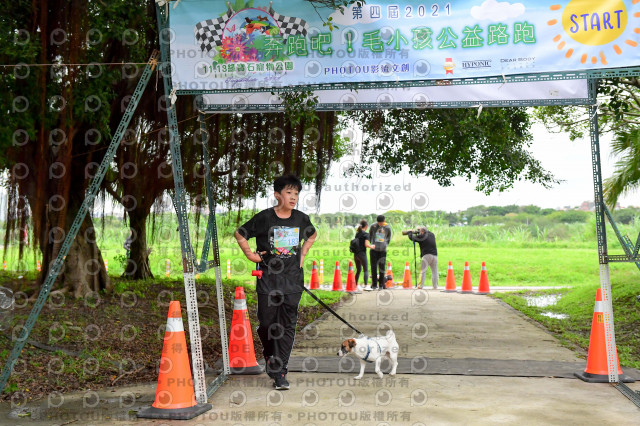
(480, 215)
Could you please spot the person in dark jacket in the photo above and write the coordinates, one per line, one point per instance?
(360, 257)
(428, 252)
(380, 236)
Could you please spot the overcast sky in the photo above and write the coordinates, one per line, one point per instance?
(568, 161)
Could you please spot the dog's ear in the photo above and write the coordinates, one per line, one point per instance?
(352, 343)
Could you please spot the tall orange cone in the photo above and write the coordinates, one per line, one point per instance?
(351, 280)
(337, 279)
(175, 398)
(483, 285)
(389, 276)
(406, 281)
(467, 286)
(242, 356)
(451, 280)
(315, 281)
(597, 370)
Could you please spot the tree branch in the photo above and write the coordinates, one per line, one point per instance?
(114, 194)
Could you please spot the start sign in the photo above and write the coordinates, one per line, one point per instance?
(595, 22)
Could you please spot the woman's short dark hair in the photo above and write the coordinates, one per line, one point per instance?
(287, 180)
(363, 224)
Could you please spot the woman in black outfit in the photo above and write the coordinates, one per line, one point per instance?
(360, 257)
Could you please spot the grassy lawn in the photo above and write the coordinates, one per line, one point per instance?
(577, 304)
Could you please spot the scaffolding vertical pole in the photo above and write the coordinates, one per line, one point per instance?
(601, 234)
(212, 235)
(188, 258)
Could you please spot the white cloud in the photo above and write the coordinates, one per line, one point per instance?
(497, 11)
(347, 18)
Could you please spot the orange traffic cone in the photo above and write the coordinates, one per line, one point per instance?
(451, 280)
(351, 280)
(242, 356)
(483, 285)
(337, 279)
(467, 286)
(597, 370)
(175, 398)
(315, 281)
(406, 281)
(389, 276)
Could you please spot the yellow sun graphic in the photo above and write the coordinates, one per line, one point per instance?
(593, 23)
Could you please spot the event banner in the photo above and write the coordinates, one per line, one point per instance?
(262, 44)
(570, 92)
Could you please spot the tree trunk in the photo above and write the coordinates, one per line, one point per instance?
(84, 269)
(138, 262)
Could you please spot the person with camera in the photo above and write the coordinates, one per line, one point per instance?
(358, 247)
(428, 252)
(380, 236)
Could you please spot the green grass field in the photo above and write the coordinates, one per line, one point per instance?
(563, 254)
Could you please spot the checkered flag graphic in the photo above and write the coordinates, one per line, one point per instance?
(289, 25)
(209, 33)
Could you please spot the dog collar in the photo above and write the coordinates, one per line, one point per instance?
(369, 350)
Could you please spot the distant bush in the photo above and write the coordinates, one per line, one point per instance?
(626, 216)
(570, 216)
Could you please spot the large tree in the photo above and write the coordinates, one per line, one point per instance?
(245, 152)
(447, 143)
(67, 117)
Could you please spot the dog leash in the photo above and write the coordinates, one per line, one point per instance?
(324, 305)
(330, 310)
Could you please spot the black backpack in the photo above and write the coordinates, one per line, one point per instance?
(354, 245)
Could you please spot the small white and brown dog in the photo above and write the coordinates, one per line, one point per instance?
(373, 349)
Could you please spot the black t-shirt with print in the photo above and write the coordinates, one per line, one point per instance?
(281, 239)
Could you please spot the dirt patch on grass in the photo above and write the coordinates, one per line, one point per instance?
(111, 339)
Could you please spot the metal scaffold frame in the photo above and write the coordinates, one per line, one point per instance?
(190, 263)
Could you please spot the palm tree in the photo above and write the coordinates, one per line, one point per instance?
(626, 177)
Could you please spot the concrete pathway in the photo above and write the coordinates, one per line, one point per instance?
(450, 331)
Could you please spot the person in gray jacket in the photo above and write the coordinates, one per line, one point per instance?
(379, 236)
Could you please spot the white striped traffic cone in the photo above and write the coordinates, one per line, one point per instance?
(175, 397)
(467, 286)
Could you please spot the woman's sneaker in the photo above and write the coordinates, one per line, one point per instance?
(280, 382)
